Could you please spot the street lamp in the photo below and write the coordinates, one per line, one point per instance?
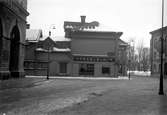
(48, 52)
(129, 61)
(48, 68)
(161, 92)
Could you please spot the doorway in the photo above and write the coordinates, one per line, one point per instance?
(14, 52)
(0, 41)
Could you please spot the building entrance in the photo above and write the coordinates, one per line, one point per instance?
(14, 52)
(0, 41)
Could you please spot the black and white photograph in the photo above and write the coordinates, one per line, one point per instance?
(83, 57)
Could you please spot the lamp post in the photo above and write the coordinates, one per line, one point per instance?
(161, 92)
(48, 53)
(129, 59)
(48, 68)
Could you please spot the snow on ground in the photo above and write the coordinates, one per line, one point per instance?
(84, 78)
(140, 73)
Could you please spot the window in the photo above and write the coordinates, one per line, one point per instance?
(63, 67)
(105, 70)
(154, 68)
(86, 69)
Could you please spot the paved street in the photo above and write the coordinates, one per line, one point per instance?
(37, 96)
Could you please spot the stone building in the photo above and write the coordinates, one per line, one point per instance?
(155, 47)
(13, 15)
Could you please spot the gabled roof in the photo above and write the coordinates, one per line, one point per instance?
(47, 40)
(122, 42)
(157, 30)
(33, 34)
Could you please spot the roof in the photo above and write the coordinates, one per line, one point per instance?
(33, 34)
(80, 26)
(101, 28)
(96, 34)
(56, 38)
(61, 49)
(157, 30)
(61, 38)
(54, 50)
(122, 43)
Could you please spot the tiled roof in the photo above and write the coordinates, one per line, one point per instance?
(33, 34)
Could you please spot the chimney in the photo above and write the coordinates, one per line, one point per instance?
(83, 19)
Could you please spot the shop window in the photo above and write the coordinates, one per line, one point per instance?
(105, 70)
(86, 69)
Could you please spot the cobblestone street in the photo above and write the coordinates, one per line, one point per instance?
(37, 96)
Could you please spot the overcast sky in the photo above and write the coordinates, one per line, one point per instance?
(135, 18)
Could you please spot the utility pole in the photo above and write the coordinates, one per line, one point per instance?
(129, 59)
(48, 68)
(161, 92)
(48, 64)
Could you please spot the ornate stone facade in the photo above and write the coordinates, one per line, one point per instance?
(155, 48)
(13, 15)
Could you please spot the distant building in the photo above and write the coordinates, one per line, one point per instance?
(44, 53)
(122, 58)
(155, 47)
(13, 15)
(83, 52)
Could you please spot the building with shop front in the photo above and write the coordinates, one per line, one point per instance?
(83, 52)
(155, 48)
(95, 52)
(13, 15)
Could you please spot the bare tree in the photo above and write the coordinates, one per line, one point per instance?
(143, 56)
(131, 54)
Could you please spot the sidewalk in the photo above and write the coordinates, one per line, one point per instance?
(20, 83)
(83, 78)
(30, 81)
